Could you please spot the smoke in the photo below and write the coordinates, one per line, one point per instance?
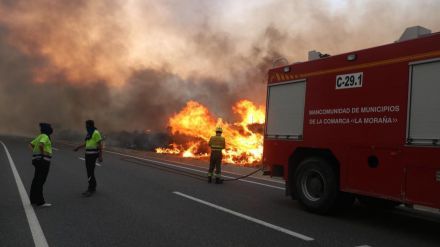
(129, 65)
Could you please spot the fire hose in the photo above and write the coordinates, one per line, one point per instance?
(184, 173)
(244, 176)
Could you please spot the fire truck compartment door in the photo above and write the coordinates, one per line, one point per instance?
(285, 110)
(424, 115)
(376, 172)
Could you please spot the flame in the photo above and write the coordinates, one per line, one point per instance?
(192, 151)
(244, 139)
(173, 149)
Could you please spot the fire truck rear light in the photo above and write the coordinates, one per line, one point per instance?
(286, 69)
(351, 57)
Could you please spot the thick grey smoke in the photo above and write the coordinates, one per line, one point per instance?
(129, 65)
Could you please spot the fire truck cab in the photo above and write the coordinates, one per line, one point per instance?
(364, 124)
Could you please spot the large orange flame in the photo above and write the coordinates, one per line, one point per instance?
(244, 139)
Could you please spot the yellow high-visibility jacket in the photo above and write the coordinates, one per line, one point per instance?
(217, 142)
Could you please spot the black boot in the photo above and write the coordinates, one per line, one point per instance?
(209, 179)
(218, 181)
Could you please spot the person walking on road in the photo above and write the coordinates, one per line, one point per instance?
(93, 145)
(216, 143)
(41, 155)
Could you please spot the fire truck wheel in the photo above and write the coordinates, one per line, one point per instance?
(377, 203)
(317, 186)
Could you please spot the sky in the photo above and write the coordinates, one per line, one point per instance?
(131, 64)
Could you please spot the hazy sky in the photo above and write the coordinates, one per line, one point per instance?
(144, 59)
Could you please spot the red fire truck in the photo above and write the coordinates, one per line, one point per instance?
(364, 124)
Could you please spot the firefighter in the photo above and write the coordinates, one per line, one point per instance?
(93, 145)
(42, 153)
(216, 143)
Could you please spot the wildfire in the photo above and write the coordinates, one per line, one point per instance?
(244, 139)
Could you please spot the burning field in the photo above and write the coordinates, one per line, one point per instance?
(194, 125)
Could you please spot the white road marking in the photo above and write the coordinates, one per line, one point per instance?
(34, 225)
(260, 222)
(196, 170)
(56, 149)
(85, 159)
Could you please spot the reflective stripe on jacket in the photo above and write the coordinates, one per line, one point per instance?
(41, 156)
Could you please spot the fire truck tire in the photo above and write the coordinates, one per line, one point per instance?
(377, 203)
(317, 187)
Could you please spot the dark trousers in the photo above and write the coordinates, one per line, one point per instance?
(215, 162)
(90, 166)
(40, 175)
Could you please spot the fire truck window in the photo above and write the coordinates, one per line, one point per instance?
(424, 120)
(285, 113)
(373, 161)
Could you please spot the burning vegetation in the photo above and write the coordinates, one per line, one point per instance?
(192, 127)
(130, 65)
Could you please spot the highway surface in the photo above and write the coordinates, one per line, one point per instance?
(142, 202)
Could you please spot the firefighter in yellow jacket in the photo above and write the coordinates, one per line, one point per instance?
(216, 143)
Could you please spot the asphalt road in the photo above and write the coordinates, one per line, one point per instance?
(144, 203)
